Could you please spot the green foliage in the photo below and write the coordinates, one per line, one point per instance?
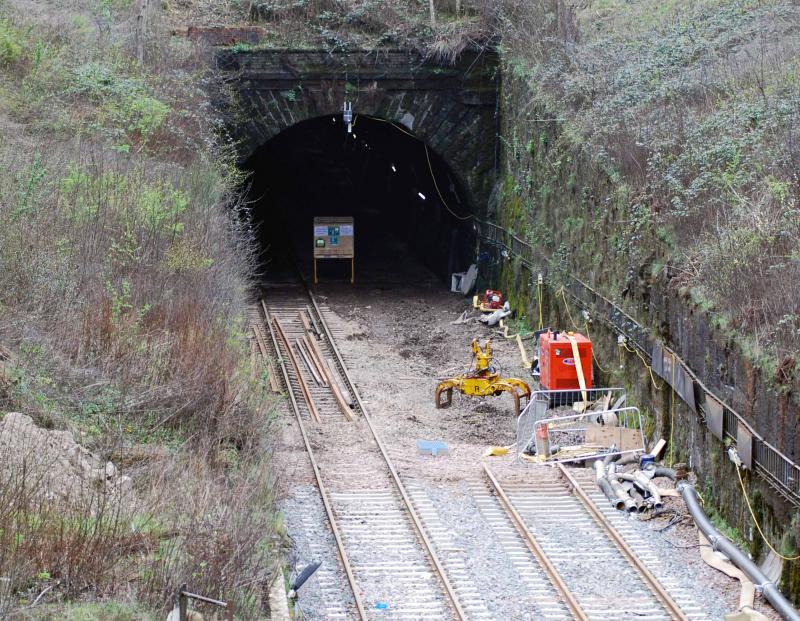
(122, 99)
(156, 206)
(161, 206)
(687, 113)
(241, 48)
(11, 44)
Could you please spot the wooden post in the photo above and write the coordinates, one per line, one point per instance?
(182, 607)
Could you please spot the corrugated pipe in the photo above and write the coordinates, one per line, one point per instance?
(739, 558)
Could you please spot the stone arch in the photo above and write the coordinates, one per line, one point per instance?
(450, 107)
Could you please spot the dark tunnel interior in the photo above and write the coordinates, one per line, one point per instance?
(408, 208)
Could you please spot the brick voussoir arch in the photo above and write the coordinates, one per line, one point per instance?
(450, 107)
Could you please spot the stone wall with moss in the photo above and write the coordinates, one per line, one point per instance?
(582, 218)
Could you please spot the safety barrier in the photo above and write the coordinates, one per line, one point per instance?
(568, 434)
(542, 400)
(780, 472)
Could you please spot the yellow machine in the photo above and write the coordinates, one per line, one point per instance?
(484, 381)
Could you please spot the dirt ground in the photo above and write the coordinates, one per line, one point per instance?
(398, 341)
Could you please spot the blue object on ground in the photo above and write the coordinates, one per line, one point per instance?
(431, 446)
(381, 605)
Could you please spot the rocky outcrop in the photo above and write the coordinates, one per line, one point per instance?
(51, 466)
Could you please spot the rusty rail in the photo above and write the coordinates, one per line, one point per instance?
(533, 545)
(318, 477)
(297, 370)
(670, 605)
(318, 320)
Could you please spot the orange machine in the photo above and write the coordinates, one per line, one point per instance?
(557, 363)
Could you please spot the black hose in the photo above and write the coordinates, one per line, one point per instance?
(665, 472)
(739, 558)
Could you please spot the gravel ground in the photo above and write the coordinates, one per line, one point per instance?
(313, 541)
(398, 342)
(487, 561)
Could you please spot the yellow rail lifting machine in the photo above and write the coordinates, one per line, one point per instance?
(483, 381)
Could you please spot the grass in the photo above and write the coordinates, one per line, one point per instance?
(125, 278)
(107, 611)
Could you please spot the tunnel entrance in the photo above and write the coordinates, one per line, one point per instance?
(408, 209)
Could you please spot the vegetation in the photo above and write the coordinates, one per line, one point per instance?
(690, 110)
(363, 25)
(125, 275)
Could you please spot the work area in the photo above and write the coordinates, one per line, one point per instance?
(470, 467)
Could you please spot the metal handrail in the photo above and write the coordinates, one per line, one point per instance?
(771, 464)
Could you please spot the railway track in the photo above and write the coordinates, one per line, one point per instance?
(389, 539)
(600, 566)
(382, 544)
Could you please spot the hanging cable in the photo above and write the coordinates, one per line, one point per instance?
(649, 368)
(755, 521)
(427, 157)
(561, 292)
(672, 414)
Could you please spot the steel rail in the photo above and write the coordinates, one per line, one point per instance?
(337, 356)
(557, 581)
(666, 600)
(362, 613)
(412, 513)
(418, 526)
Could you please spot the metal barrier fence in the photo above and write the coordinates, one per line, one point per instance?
(566, 433)
(542, 400)
(780, 472)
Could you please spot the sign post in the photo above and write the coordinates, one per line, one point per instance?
(334, 239)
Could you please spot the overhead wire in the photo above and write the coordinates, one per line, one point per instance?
(561, 292)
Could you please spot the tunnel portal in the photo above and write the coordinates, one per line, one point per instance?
(406, 203)
(420, 160)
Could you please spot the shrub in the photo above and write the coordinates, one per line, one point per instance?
(10, 44)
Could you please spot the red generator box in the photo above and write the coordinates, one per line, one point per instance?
(557, 362)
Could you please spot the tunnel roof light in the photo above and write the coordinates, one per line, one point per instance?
(347, 115)
(421, 195)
